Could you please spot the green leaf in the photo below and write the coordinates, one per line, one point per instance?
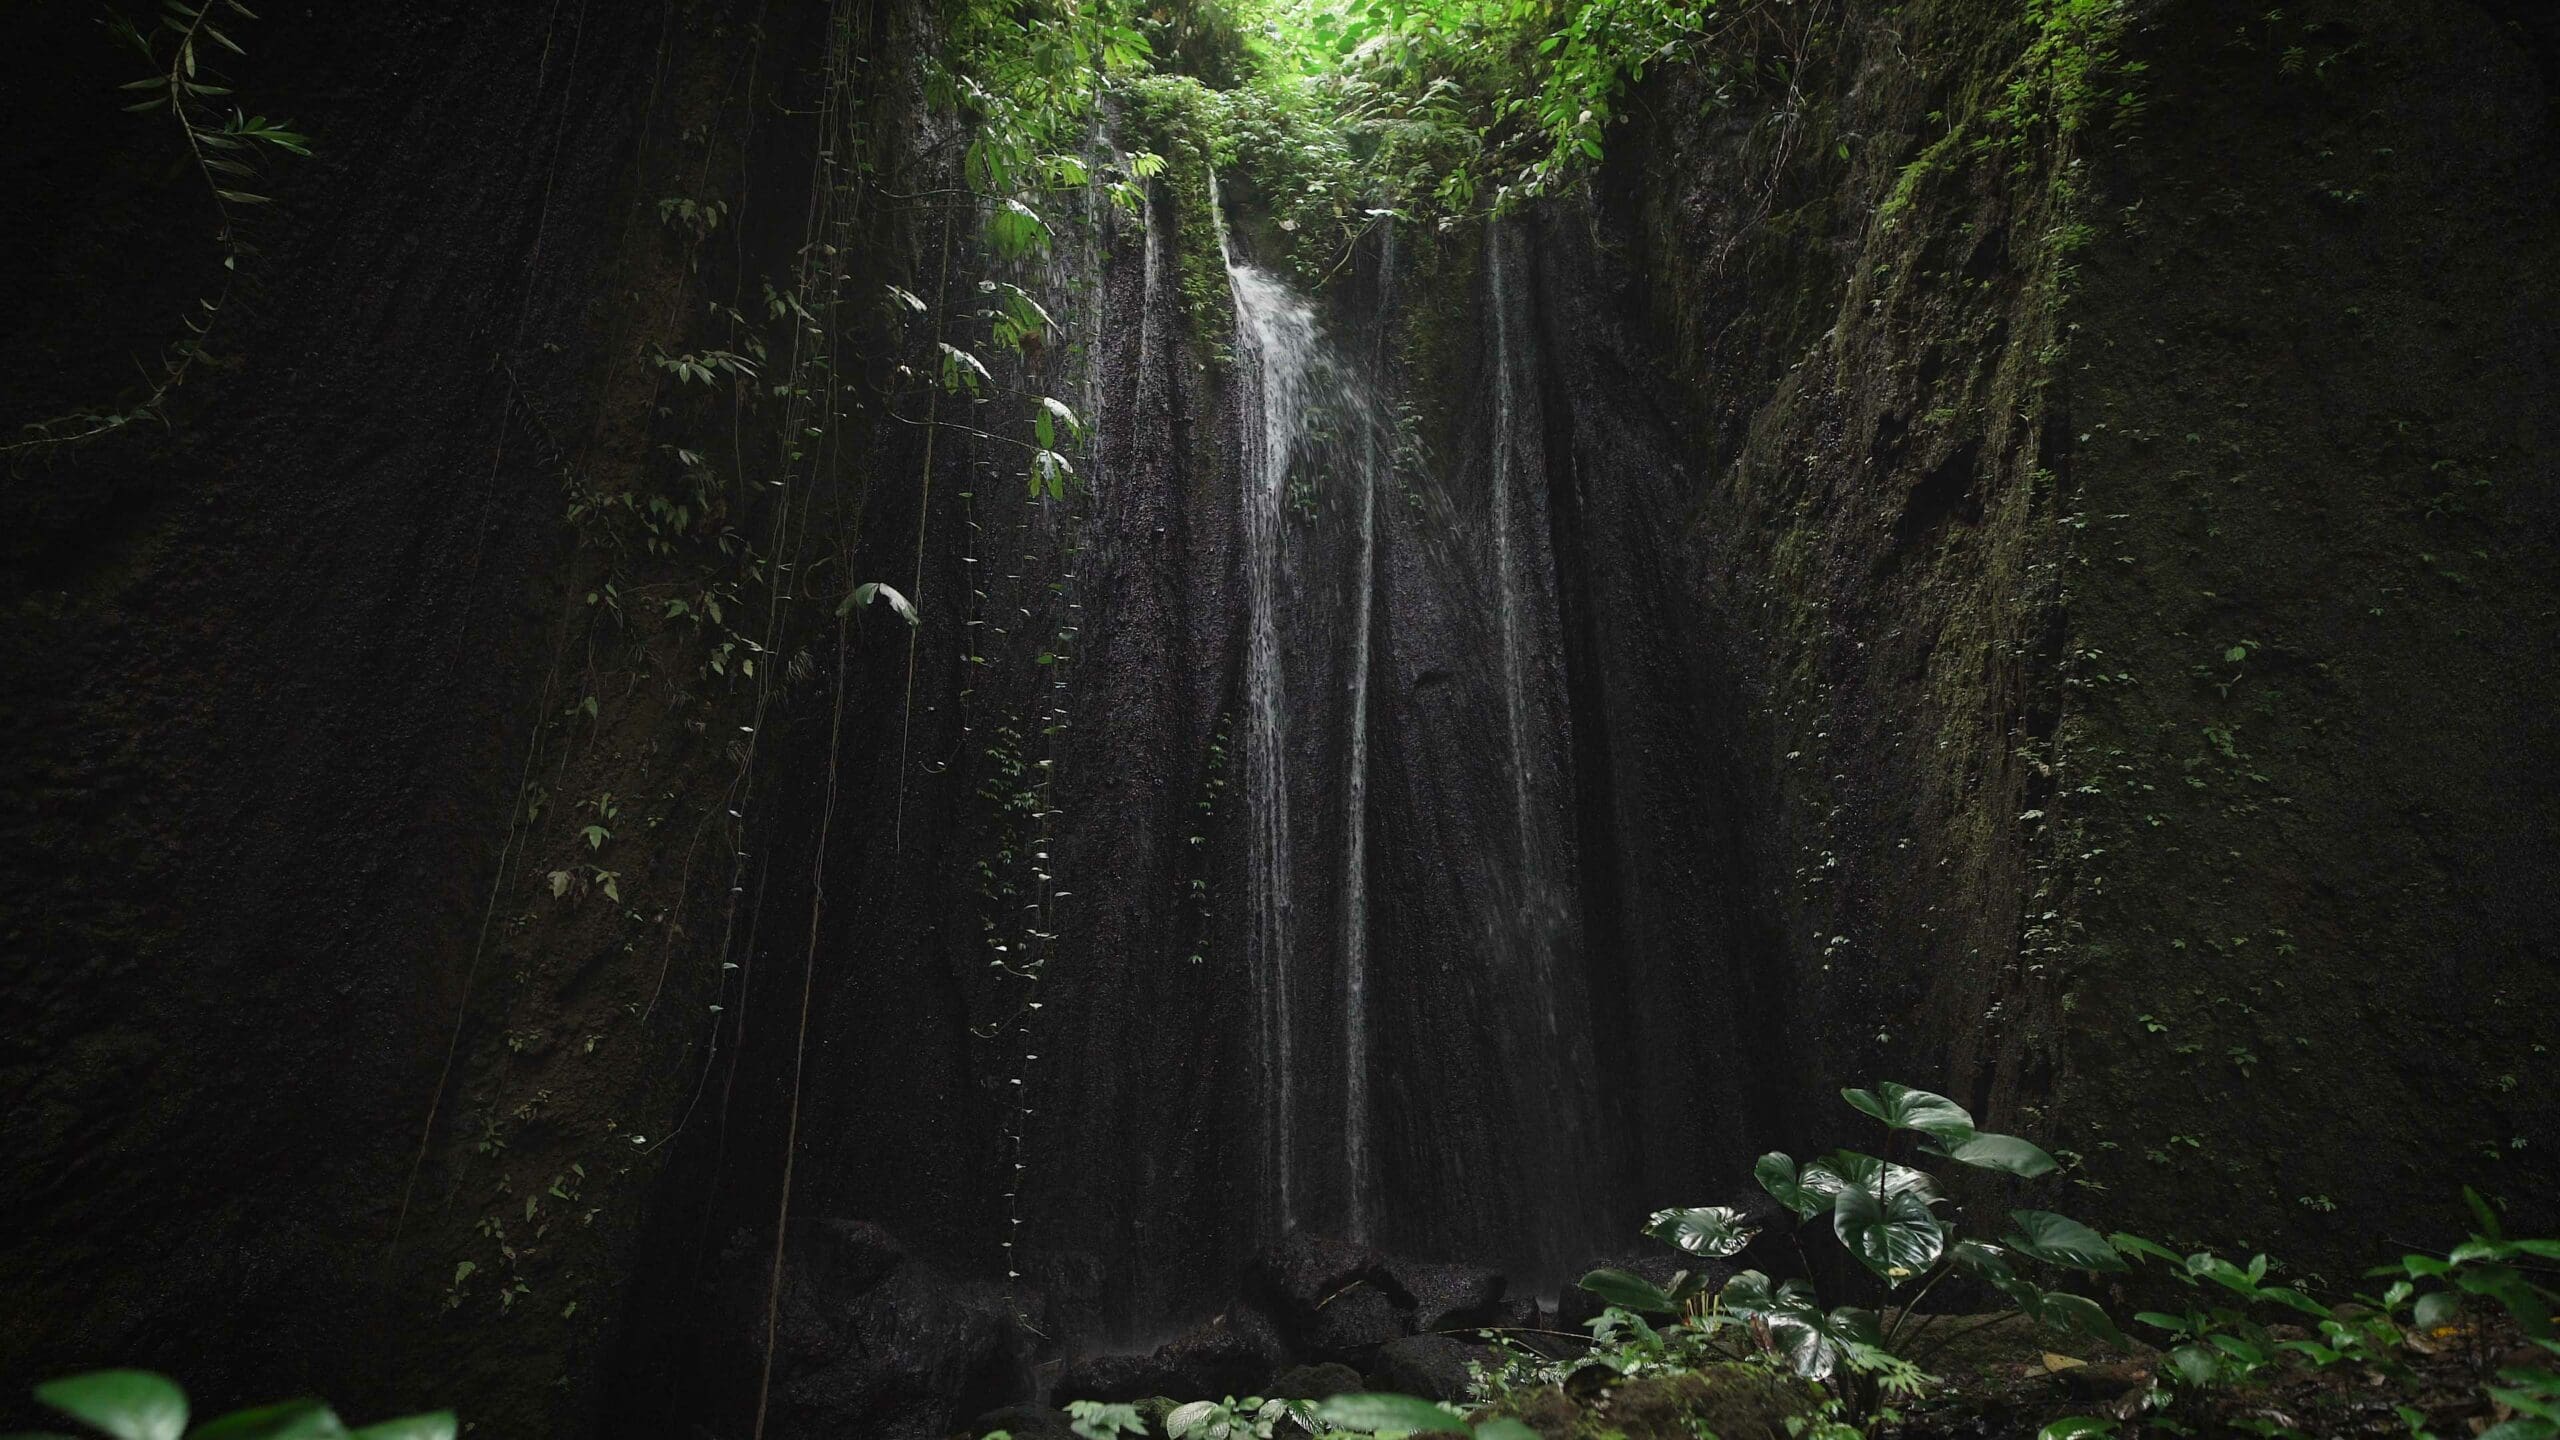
(1186, 1418)
(2061, 1240)
(1811, 1340)
(868, 591)
(1904, 1108)
(2079, 1312)
(2005, 1153)
(1389, 1412)
(1896, 1238)
(1711, 1230)
(434, 1425)
(1634, 1292)
(2136, 1245)
(1841, 1169)
(127, 1404)
(2076, 1427)
(1777, 1175)
(292, 1420)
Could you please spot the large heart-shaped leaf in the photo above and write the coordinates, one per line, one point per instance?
(2005, 1153)
(1752, 1296)
(1904, 1108)
(1389, 1412)
(1631, 1291)
(1896, 1238)
(1841, 1169)
(127, 1404)
(1712, 1230)
(2079, 1312)
(2061, 1240)
(1811, 1340)
(1777, 1174)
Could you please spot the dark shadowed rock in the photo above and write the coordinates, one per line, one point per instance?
(1317, 1382)
(1112, 1378)
(1023, 1422)
(1231, 1354)
(1354, 1323)
(1431, 1366)
(1448, 1297)
(1296, 1275)
(872, 1340)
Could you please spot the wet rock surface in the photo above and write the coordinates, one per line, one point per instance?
(869, 1339)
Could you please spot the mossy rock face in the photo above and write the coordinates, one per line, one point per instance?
(1730, 1402)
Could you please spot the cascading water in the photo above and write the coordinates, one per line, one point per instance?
(1276, 339)
(1427, 1090)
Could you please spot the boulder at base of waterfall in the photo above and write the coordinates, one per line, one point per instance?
(1316, 1382)
(1025, 1422)
(1431, 1366)
(1355, 1322)
(869, 1339)
(1295, 1276)
(1231, 1354)
(1448, 1297)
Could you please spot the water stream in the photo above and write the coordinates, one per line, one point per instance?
(1352, 1034)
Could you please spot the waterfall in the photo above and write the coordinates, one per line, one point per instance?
(1478, 1030)
(1275, 339)
(1311, 456)
(1559, 1110)
(1355, 819)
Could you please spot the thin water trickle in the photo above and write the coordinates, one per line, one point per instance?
(1355, 820)
(1275, 342)
(1311, 450)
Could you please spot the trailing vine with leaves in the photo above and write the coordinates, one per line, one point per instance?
(224, 150)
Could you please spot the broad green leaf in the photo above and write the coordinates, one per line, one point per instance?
(434, 1425)
(1187, 1418)
(2061, 1240)
(1389, 1412)
(292, 1420)
(1635, 1292)
(1711, 1230)
(2195, 1364)
(127, 1404)
(1840, 1169)
(1777, 1173)
(1811, 1340)
(1896, 1238)
(2079, 1312)
(2136, 1245)
(870, 590)
(2076, 1427)
(1904, 1108)
(1751, 1296)
(2005, 1153)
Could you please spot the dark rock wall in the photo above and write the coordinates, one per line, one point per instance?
(2062, 623)
(1921, 526)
